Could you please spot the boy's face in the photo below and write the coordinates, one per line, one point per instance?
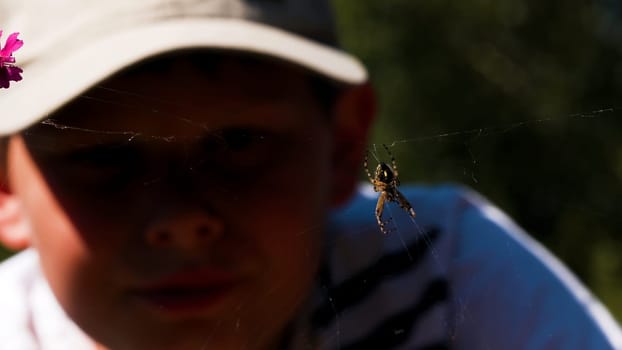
(181, 210)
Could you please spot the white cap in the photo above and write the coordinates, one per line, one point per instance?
(71, 45)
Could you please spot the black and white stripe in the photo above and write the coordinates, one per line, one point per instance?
(354, 295)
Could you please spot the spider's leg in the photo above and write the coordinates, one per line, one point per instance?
(404, 204)
(393, 163)
(379, 210)
(366, 166)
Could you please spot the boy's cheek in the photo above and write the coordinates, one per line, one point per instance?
(79, 279)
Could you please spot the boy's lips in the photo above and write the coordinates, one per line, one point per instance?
(186, 293)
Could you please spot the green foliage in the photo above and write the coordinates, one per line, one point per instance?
(4, 253)
(498, 95)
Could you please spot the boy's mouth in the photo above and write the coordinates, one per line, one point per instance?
(187, 293)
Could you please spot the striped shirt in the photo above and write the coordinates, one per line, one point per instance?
(461, 275)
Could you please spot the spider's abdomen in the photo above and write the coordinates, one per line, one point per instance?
(384, 173)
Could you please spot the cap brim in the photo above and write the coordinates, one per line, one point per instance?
(49, 84)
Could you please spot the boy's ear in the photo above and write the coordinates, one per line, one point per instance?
(14, 231)
(354, 113)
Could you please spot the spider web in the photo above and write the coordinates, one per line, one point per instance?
(557, 176)
(468, 138)
(470, 142)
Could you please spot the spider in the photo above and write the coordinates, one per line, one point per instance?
(385, 181)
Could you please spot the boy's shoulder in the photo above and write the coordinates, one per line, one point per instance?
(17, 278)
(461, 273)
(18, 275)
(31, 318)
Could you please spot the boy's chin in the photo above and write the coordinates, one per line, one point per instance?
(190, 335)
(211, 321)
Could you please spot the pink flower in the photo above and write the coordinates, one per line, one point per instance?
(8, 70)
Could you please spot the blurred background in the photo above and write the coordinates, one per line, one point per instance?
(518, 99)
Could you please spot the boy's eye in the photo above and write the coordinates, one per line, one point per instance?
(100, 166)
(104, 157)
(239, 140)
(239, 149)
(101, 156)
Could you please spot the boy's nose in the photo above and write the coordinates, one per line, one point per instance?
(187, 231)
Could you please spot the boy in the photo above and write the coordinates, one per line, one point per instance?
(172, 164)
